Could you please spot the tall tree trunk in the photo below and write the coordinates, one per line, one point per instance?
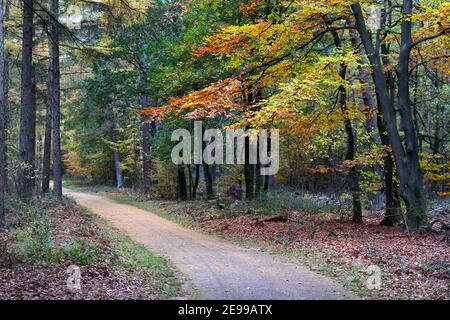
(148, 129)
(54, 97)
(411, 187)
(2, 121)
(117, 162)
(27, 112)
(405, 152)
(47, 150)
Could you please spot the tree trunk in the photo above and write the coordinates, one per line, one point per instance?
(54, 97)
(196, 181)
(208, 174)
(411, 187)
(406, 153)
(27, 112)
(2, 121)
(148, 130)
(208, 181)
(353, 176)
(47, 151)
(117, 163)
(182, 186)
(249, 172)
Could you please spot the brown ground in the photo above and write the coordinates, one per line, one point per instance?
(101, 279)
(218, 269)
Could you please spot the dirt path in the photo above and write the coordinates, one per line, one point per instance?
(218, 269)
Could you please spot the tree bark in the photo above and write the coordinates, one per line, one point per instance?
(249, 172)
(2, 120)
(117, 162)
(148, 129)
(47, 150)
(196, 181)
(27, 112)
(209, 181)
(182, 186)
(54, 97)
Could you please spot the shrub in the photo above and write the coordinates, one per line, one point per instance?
(80, 252)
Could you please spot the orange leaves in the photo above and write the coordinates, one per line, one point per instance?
(219, 98)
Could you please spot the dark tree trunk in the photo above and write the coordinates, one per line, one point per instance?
(196, 181)
(182, 186)
(148, 130)
(249, 172)
(208, 175)
(27, 112)
(406, 150)
(2, 121)
(267, 177)
(47, 151)
(208, 181)
(55, 98)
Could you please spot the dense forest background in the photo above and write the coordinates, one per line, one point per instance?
(359, 90)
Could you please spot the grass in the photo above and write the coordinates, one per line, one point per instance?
(152, 206)
(132, 255)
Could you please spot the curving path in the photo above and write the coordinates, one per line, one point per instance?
(218, 269)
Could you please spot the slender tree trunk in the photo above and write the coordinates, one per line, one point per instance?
(269, 151)
(148, 129)
(27, 112)
(353, 176)
(117, 162)
(182, 186)
(47, 151)
(54, 97)
(208, 175)
(249, 172)
(208, 181)
(2, 121)
(196, 181)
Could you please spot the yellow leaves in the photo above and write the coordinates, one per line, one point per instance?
(436, 168)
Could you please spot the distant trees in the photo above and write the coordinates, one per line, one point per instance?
(345, 95)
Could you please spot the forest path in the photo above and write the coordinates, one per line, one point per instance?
(218, 269)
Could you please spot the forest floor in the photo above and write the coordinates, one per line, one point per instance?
(46, 238)
(412, 265)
